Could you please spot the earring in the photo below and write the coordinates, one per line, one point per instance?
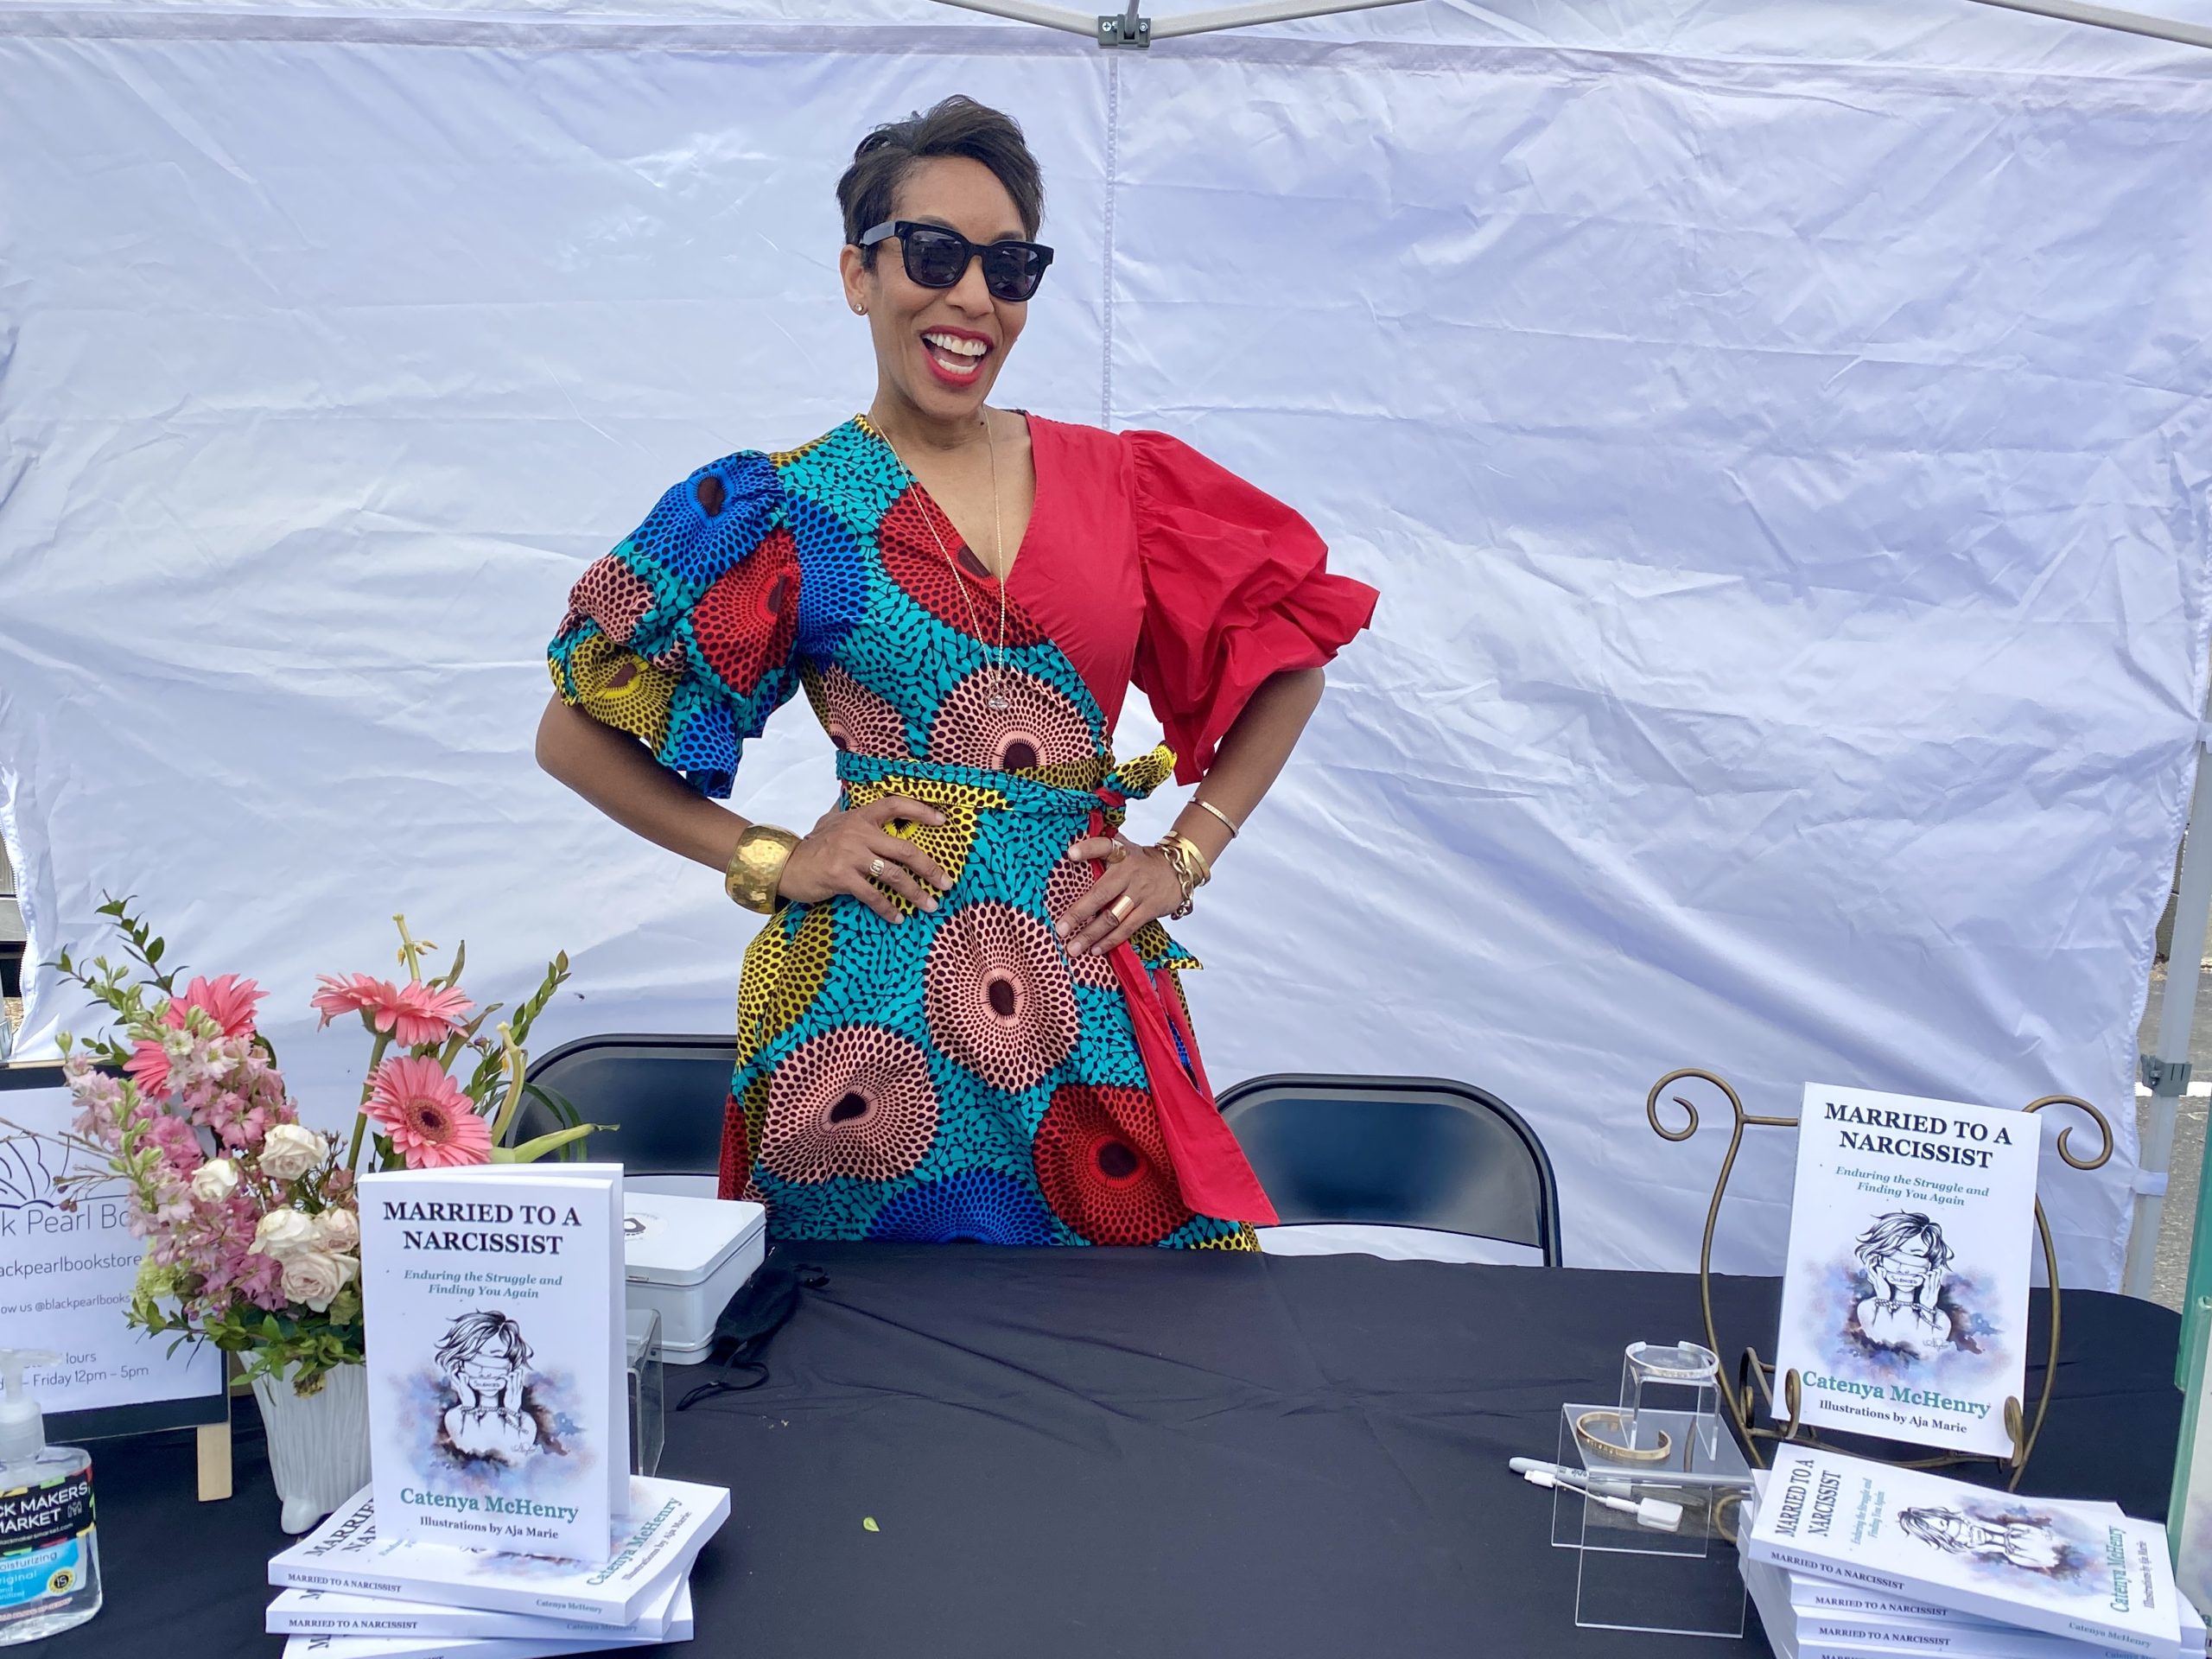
(860, 310)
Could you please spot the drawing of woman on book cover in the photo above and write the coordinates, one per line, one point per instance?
(1904, 1264)
(486, 1358)
(2016, 1539)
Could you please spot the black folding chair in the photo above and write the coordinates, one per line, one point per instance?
(664, 1094)
(1401, 1152)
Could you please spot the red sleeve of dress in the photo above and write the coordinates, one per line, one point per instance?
(1237, 587)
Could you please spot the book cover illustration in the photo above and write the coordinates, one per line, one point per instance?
(2075, 1569)
(1905, 1289)
(489, 1313)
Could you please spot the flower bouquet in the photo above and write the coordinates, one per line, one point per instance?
(250, 1216)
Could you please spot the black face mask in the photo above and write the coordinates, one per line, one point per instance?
(744, 1328)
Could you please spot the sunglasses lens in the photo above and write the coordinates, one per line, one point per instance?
(1012, 271)
(934, 259)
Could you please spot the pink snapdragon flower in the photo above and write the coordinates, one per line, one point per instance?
(99, 1099)
(414, 1014)
(432, 1124)
(173, 1138)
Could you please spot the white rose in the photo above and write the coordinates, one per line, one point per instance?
(290, 1151)
(284, 1234)
(316, 1277)
(213, 1182)
(337, 1229)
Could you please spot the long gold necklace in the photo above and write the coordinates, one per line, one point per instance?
(998, 699)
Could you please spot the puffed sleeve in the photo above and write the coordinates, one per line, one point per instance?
(1236, 588)
(683, 635)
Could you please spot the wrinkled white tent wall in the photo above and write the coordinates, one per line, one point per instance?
(1787, 482)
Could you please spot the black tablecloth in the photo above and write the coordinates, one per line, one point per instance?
(1135, 1453)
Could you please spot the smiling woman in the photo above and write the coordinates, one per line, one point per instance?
(963, 1018)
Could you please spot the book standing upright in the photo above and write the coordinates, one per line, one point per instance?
(1905, 1301)
(492, 1302)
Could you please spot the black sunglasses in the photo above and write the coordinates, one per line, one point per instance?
(938, 257)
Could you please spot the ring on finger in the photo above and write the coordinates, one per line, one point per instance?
(874, 867)
(1119, 909)
(1116, 850)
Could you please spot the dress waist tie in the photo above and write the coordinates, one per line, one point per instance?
(1211, 1169)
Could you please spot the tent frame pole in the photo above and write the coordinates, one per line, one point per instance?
(1131, 29)
(2165, 1068)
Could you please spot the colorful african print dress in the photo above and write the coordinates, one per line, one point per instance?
(956, 1075)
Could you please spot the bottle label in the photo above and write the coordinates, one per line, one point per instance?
(45, 1539)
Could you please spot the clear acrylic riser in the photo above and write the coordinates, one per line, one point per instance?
(648, 1414)
(1686, 1582)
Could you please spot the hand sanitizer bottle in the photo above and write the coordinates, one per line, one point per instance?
(49, 1559)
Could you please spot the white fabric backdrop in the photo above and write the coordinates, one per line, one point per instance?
(1780, 434)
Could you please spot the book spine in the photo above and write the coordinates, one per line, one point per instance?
(1831, 1605)
(464, 1625)
(284, 1622)
(1957, 1598)
(1880, 1641)
(487, 1594)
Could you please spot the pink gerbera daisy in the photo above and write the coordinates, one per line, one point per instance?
(414, 1014)
(349, 993)
(228, 1001)
(149, 1067)
(429, 1014)
(432, 1124)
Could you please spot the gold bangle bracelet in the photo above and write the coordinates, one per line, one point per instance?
(1208, 806)
(1183, 851)
(1585, 1430)
(756, 865)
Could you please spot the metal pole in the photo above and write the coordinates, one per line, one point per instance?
(1266, 12)
(1031, 11)
(2128, 22)
(1283, 12)
(2165, 1068)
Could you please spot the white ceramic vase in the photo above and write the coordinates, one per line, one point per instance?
(318, 1443)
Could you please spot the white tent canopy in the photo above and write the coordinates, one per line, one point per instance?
(1779, 431)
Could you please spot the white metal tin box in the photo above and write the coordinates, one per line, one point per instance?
(686, 1257)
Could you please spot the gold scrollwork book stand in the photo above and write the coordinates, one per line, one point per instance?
(1755, 1377)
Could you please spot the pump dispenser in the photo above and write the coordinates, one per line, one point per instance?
(49, 1557)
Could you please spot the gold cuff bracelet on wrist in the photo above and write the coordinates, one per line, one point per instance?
(1190, 865)
(757, 865)
(1208, 806)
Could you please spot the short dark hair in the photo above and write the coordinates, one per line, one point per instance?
(955, 126)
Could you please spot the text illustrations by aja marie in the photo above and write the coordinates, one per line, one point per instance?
(1904, 1296)
(493, 1300)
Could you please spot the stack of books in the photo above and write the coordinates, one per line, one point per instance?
(1847, 1559)
(347, 1594)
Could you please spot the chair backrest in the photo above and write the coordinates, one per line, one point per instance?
(1409, 1152)
(664, 1094)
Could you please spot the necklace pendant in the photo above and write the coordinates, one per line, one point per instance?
(997, 701)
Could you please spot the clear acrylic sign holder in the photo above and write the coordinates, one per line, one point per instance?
(1655, 1524)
